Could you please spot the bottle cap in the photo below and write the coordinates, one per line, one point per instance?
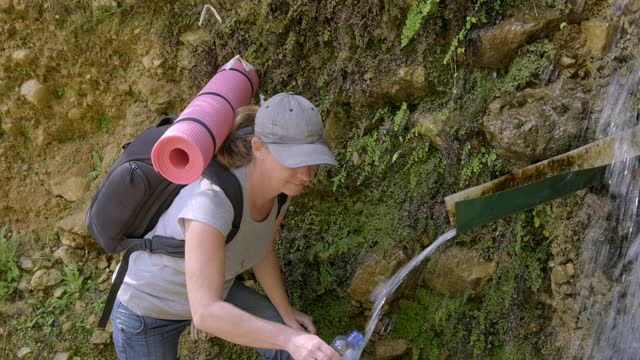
(355, 337)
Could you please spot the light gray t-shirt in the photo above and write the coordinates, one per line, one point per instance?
(155, 284)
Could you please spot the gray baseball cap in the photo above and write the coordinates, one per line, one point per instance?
(292, 129)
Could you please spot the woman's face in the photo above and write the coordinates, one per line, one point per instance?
(290, 181)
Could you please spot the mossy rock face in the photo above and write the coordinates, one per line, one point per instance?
(537, 124)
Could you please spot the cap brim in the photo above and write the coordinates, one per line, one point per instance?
(297, 155)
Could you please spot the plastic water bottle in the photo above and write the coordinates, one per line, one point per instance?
(348, 345)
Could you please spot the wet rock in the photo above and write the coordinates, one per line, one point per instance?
(71, 186)
(101, 337)
(537, 124)
(599, 35)
(36, 93)
(387, 349)
(62, 356)
(407, 84)
(22, 56)
(496, 46)
(561, 274)
(68, 255)
(74, 223)
(195, 38)
(430, 125)
(376, 268)
(459, 271)
(45, 278)
(23, 352)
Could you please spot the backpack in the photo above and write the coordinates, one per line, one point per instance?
(133, 196)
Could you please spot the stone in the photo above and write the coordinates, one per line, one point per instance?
(560, 275)
(62, 356)
(104, 5)
(376, 268)
(45, 278)
(26, 263)
(75, 114)
(430, 125)
(152, 60)
(22, 56)
(74, 223)
(185, 59)
(68, 255)
(632, 7)
(387, 349)
(599, 35)
(5, 5)
(157, 93)
(459, 271)
(68, 326)
(496, 46)
(101, 337)
(23, 352)
(566, 61)
(9, 309)
(20, 5)
(59, 292)
(36, 93)
(407, 84)
(24, 285)
(195, 38)
(72, 240)
(536, 124)
(71, 186)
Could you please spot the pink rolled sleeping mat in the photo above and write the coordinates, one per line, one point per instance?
(186, 148)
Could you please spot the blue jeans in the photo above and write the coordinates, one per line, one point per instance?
(139, 337)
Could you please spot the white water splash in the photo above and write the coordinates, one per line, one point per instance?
(380, 295)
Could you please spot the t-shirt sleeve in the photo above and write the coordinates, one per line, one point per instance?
(209, 205)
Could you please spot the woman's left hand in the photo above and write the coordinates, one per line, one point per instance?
(300, 321)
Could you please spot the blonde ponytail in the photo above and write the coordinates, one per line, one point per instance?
(235, 151)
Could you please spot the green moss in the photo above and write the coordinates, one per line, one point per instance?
(529, 67)
(9, 272)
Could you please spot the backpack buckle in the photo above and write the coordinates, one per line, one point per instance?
(146, 244)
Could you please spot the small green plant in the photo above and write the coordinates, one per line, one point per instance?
(60, 92)
(102, 121)
(418, 11)
(97, 166)
(9, 272)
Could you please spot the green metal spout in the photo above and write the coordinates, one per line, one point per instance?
(536, 184)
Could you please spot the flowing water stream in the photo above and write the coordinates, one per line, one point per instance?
(380, 295)
(616, 331)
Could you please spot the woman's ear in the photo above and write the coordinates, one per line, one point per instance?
(258, 147)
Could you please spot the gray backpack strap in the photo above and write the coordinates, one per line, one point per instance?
(282, 199)
(156, 245)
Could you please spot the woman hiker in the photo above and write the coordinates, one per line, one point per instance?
(273, 149)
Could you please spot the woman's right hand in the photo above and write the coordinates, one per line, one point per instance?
(306, 346)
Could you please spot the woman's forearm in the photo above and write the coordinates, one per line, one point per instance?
(269, 275)
(230, 323)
